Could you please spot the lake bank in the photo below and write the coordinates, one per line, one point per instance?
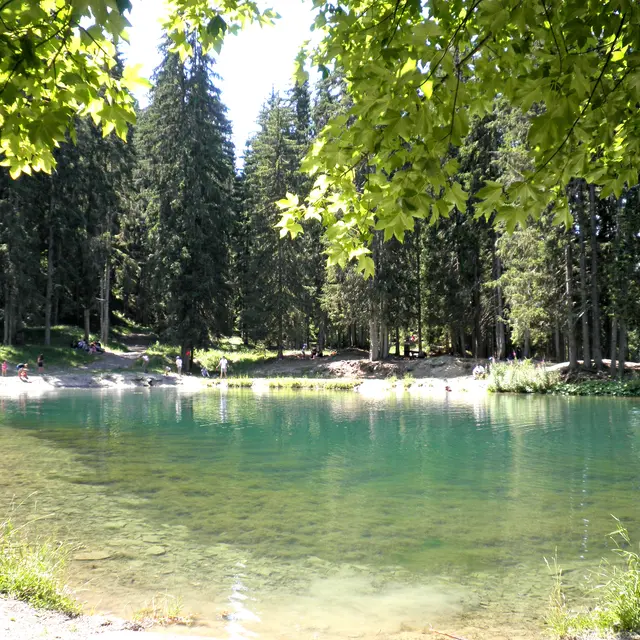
(42, 384)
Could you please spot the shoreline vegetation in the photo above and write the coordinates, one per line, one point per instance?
(122, 366)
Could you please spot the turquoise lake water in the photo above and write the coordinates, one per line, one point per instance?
(325, 515)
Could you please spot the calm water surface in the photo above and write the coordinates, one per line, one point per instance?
(325, 515)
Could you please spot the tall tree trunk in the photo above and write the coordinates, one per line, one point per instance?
(280, 310)
(397, 341)
(584, 301)
(419, 281)
(374, 338)
(477, 329)
(322, 332)
(527, 343)
(571, 334)
(622, 351)
(104, 302)
(87, 323)
(8, 315)
(614, 346)
(556, 340)
(500, 336)
(595, 300)
(49, 295)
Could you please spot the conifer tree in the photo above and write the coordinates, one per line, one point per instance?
(185, 173)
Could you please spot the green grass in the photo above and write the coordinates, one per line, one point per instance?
(292, 383)
(617, 596)
(521, 376)
(163, 610)
(58, 355)
(34, 571)
(242, 358)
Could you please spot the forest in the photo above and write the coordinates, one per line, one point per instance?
(164, 229)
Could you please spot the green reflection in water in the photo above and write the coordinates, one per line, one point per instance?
(326, 512)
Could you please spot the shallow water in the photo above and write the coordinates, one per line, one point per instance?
(325, 515)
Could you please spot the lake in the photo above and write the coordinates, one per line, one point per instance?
(325, 515)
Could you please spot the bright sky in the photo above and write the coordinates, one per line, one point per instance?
(250, 65)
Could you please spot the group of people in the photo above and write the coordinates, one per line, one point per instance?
(91, 347)
(223, 365)
(23, 368)
(315, 353)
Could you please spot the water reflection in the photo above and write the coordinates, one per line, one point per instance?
(271, 494)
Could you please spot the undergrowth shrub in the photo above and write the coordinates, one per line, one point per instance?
(521, 376)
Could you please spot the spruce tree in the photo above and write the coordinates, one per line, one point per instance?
(185, 174)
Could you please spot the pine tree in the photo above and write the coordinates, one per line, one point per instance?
(276, 304)
(185, 173)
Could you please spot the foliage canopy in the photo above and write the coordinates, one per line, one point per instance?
(417, 73)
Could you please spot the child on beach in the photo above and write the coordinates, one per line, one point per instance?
(4, 369)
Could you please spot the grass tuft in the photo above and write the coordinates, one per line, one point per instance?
(163, 610)
(618, 602)
(34, 571)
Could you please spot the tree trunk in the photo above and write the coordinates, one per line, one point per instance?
(556, 340)
(477, 329)
(595, 301)
(584, 301)
(374, 341)
(280, 310)
(622, 351)
(397, 341)
(104, 303)
(322, 336)
(49, 295)
(87, 323)
(571, 334)
(419, 282)
(527, 344)
(8, 316)
(500, 337)
(614, 346)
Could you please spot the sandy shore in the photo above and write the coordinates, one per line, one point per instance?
(371, 387)
(20, 621)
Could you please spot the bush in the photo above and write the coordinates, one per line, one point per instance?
(626, 388)
(521, 376)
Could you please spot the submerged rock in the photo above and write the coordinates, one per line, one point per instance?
(155, 550)
(90, 556)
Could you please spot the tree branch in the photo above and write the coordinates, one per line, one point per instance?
(586, 106)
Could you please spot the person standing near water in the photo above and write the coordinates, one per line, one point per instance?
(179, 365)
(4, 368)
(223, 364)
(41, 364)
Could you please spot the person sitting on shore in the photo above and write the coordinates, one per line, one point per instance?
(23, 371)
(204, 372)
(478, 372)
